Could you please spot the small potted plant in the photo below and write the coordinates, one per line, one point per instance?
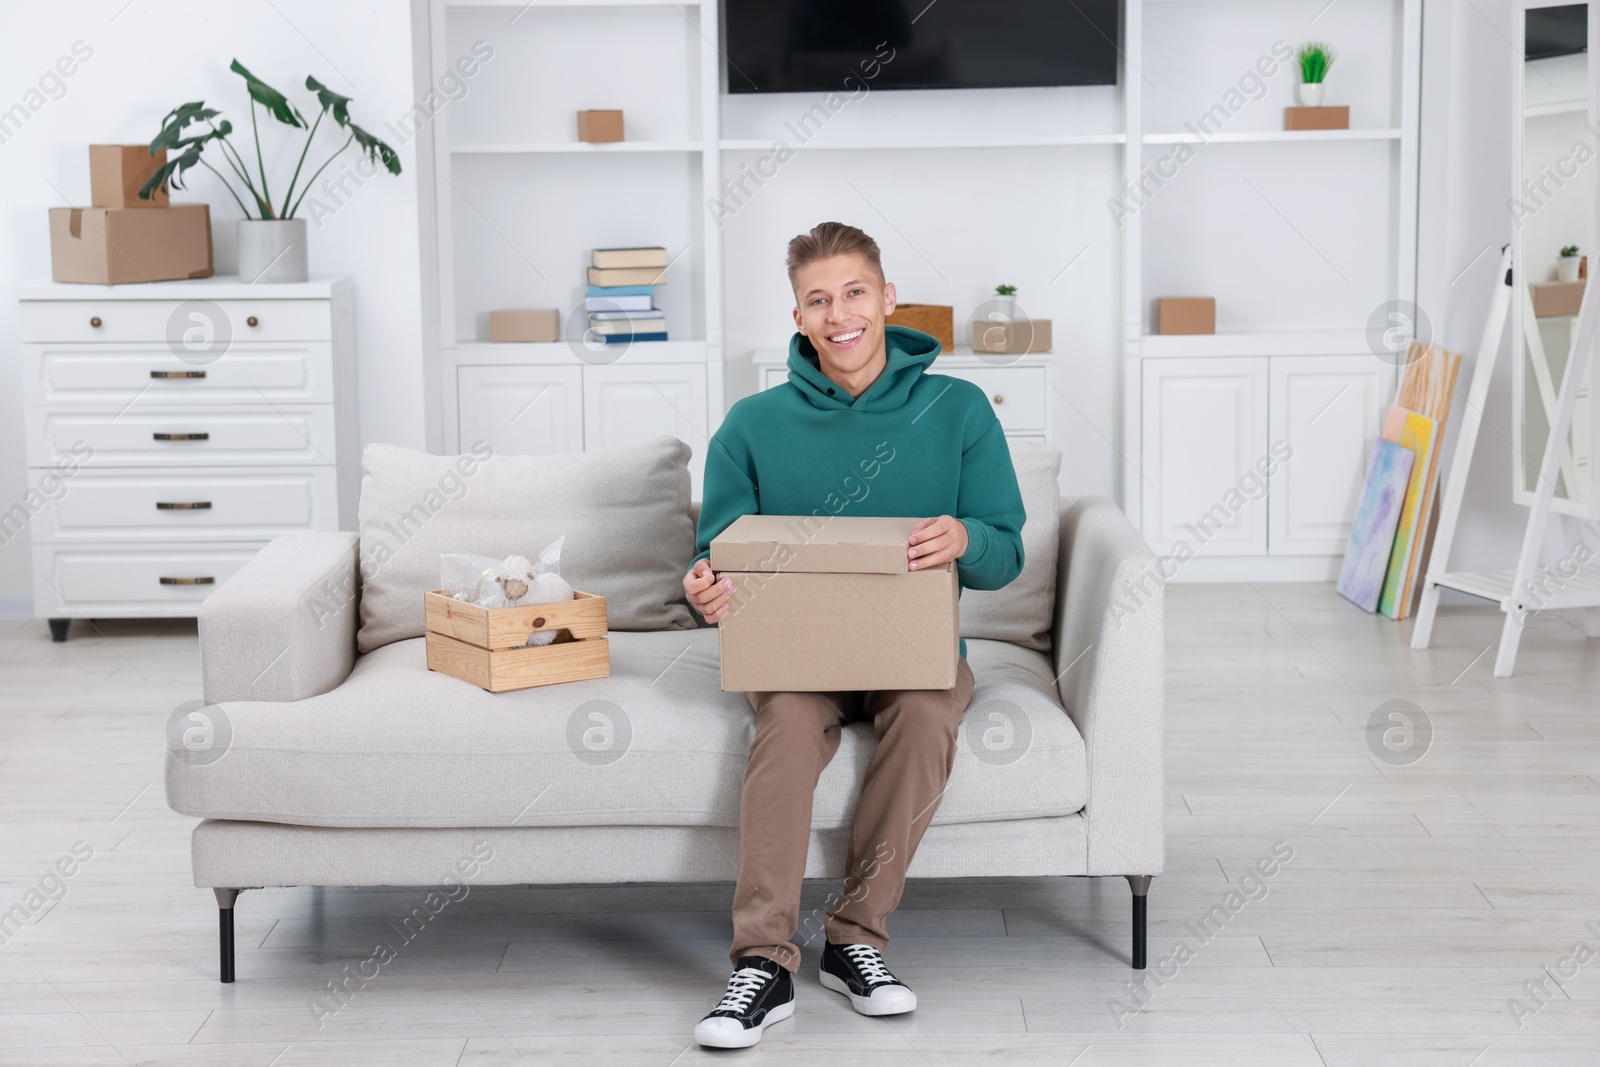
(1005, 300)
(272, 240)
(1315, 59)
(1567, 265)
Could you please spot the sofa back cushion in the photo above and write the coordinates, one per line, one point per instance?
(624, 512)
(1020, 612)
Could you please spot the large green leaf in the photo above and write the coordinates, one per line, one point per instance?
(275, 102)
(171, 172)
(332, 103)
(188, 149)
(338, 107)
(375, 149)
(172, 126)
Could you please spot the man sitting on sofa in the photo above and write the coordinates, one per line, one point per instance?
(859, 409)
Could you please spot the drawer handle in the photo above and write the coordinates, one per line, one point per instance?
(181, 436)
(95, 321)
(189, 581)
(163, 375)
(252, 321)
(998, 399)
(183, 505)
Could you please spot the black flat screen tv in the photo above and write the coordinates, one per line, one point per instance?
(787, 46)
(1557, 31)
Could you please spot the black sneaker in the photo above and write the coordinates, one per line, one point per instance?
(858, 971)
(760, 992)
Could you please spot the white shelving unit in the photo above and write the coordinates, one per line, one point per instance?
(514, 215)
(1299, 234)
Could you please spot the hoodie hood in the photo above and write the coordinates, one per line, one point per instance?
(909, 354)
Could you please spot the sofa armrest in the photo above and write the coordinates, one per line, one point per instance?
(1108, 634)
(284, 626)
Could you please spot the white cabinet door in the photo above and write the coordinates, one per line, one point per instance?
(521, 411)
(626, 403)
(1324, 413)
(1204, 431)
(1017, 394)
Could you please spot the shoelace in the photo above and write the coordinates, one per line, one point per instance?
(869, 961)
(742, 988)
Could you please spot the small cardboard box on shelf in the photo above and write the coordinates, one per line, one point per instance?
(1016, 338)
(599, 126)
(542, 325)
(1186, 315)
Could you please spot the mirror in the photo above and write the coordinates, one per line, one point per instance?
(1557, 153)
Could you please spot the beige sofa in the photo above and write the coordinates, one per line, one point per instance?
(328, 755)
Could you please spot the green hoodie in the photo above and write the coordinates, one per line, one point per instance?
(914, 444)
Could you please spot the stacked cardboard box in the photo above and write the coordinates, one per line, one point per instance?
(621, 294)
(122, 238)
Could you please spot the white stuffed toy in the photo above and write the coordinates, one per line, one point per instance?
(509, 583)
(516, 584)
(513, 580)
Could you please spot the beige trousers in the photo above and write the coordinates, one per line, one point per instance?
(797, 735)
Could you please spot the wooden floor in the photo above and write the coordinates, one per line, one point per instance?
(1421, 901)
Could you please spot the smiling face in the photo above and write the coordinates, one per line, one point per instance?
(841, 305)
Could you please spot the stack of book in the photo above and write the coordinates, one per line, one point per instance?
(621, 297)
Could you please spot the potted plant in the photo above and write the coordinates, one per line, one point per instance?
(272, 241)
(1315, 59)
(1005, 300)
(1567, 265)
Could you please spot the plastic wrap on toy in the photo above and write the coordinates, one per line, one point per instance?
(508, 583)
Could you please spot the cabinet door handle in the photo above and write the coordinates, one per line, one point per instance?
(189, 581)
(252, 321)
(183, 505)
(181, 436)
(94, 320)
(998, 399)
(163, 375)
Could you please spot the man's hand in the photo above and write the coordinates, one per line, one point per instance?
(708, 594)
(935, 542)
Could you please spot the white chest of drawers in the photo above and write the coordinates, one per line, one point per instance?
(175, 428)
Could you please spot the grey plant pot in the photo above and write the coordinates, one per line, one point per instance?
(272, 251)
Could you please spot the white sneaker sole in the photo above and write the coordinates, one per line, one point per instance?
(907, 1001)
(743, 1038)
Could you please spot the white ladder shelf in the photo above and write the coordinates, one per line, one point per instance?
(1530, 587)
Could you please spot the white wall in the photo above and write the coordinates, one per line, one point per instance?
(148, 57)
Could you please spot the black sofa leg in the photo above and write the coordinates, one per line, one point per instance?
(58, 629)
(1140, 884)
(225, 900)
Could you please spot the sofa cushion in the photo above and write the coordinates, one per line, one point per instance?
(656, 743)
(1020, 612)
(624, 511)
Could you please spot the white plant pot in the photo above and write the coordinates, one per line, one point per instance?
(1567, 268)
(1310, 94)
(272, 250)
(1006, 305)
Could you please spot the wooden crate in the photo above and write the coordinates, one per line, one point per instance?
(935, 319)
(487, 646)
